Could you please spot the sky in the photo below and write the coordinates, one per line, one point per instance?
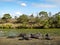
(19, 7)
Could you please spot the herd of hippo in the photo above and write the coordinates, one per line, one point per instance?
(24, 36)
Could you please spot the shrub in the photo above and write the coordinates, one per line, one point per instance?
(6, 26)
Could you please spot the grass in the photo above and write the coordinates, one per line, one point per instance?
(15, 41)
(52, 32)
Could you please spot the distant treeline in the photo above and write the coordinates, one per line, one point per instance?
(42, 20)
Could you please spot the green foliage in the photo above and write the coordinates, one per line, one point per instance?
(43, 20)
(23, 18)
(6, 16)
(43, 14)
(37, 19)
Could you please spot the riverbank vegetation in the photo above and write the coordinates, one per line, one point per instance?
(42, 20)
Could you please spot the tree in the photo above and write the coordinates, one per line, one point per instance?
(50, 14)
(6, 17)
(15, 17)
(57, 19)
(22, 19)
(37, 19)
(54, 21)
(44, 19)
(43, 14)
(31, 19)
(51, 22)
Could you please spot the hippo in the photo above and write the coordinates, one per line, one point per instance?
(21, 34)
(25, 36)
(47, 37)
(36, 36)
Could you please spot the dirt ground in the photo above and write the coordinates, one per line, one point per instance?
(15, 41)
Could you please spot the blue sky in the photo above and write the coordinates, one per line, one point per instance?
(18, 7)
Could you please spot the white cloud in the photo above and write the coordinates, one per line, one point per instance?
(18, 13)
(43, 5)
(23, 4)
